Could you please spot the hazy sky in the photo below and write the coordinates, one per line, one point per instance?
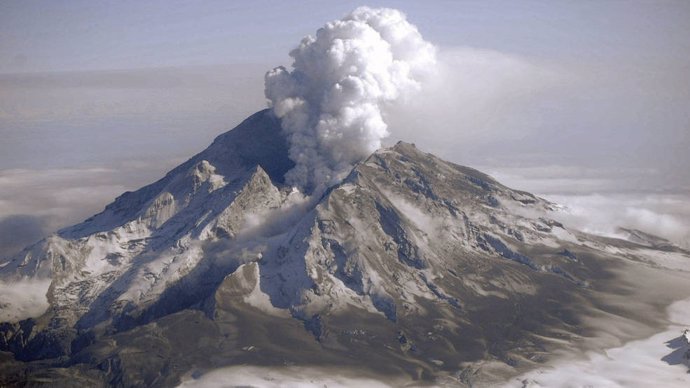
(569, 98)
(105, 35)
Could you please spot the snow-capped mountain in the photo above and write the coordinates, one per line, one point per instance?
(410, 265)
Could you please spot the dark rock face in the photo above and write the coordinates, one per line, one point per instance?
(411, 266)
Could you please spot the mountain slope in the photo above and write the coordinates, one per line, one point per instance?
(411, 266)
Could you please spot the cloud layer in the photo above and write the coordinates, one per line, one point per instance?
(601, 200)
(646, 363)
(331, 103)
(23, 299)
(276, 377)
(663, 215)
(35, 202)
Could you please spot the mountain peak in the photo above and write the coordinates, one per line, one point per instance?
(257, 141)
(411, 262)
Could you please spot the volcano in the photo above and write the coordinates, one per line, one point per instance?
(410, 268)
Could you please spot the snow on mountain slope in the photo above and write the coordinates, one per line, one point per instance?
(413, 264)
(393, 229)
(146, 240)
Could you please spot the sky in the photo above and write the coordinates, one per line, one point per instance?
(586, 102)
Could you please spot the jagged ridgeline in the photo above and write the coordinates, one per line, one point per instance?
(411, 266)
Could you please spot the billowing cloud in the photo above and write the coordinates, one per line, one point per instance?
(23, 299)
(332, 102)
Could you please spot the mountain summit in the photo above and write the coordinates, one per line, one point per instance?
(411, 266)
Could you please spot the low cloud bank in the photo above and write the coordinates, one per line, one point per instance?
(601, 200)
(23, 299)
(37, 202)
(276, 377)
(651, 362)
(663, 215)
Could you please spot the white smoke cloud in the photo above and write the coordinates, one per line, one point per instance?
(332, 102)
(22, 299)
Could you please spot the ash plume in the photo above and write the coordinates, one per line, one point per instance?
(331, 104)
